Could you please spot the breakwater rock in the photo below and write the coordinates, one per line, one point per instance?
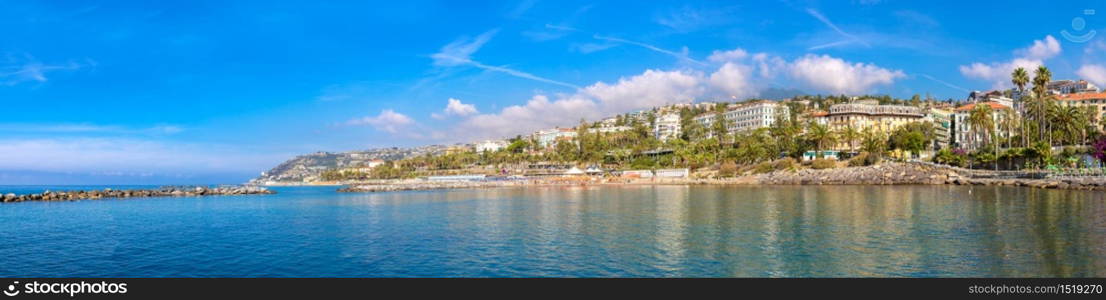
(883, 174)
(160, 192)
(1086, 183)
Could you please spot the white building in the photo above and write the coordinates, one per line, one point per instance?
(609, 129)
(751, 116)
(962, 134)
(549, 137)
(744, 117)
(1067, 86)
(667, 126)
(491, 145)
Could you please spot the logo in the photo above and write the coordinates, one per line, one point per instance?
(1078, 24)
(11, 291)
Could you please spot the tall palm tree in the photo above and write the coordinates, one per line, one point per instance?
(1042, 76)
(849, 135)
(981, 120)
(1020, 78)
(821, 135)
(1010, 124)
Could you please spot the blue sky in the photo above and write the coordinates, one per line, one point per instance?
(199, 92)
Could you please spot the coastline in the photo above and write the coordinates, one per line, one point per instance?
(883, 174)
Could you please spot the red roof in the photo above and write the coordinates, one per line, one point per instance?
(819, 114)
(992, 104)
(1084, 96)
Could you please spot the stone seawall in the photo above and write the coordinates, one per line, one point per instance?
(161, 192)
(920, 173)
(883, 174)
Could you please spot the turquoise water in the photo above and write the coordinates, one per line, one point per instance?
(638, 231)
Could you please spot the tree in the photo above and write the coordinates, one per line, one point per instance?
(873, 142)
(821, 136)
(849, 135)
(981, 120)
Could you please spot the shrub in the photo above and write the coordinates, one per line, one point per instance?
(864, 159)
(786, 163)
(859, 160)
(764, 167)
(823, 163)
(728, 169)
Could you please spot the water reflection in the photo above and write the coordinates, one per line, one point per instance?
(781, 231)
(631, 231)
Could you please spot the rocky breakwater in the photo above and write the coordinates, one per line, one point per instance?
(1075, 183)
(883, 174)
(160, 192)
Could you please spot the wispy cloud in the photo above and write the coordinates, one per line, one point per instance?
(688, 19)
(388, 121)
(952, 86)
(20, 69)
(459, 53)
(86, 128)
(848, 37)
(680, 55)
(84, 154)
(521, 8)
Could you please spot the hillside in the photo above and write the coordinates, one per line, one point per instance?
(307, 167)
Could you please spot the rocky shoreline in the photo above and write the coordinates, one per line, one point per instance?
(160, 192)
(908, 173)
(883, 174)
(919, 173)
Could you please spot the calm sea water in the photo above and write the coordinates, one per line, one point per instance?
(661, 231)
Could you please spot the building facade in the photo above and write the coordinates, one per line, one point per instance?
(491, 145)
(667, 126)
(549, 137)
(963, 135)
(864, 114)
(1096, 102)
(744, 117)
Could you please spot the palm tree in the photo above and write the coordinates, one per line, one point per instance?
(1042, 76)
(1020, 78)
(981, 120)
(821, 135)
(849, 135)
(1010, 123)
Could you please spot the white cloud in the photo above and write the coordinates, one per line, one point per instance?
(387, 121)
(998, 73)
(455, 107)
(650, 89)
(1094, 73)
(731, 55)
(734, 80)
(739, 74)
(1042, 49)
(838, 76)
